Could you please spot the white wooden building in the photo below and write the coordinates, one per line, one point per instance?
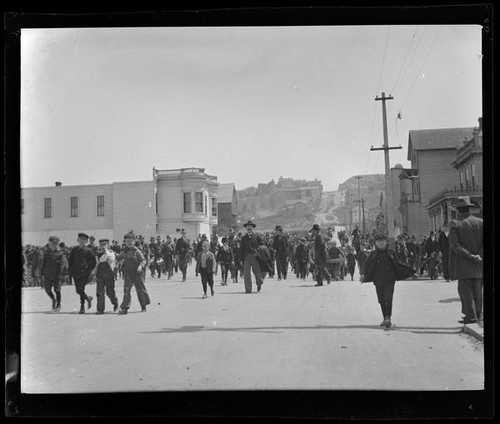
(174, 199)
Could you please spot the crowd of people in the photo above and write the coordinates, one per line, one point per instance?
(320, 254)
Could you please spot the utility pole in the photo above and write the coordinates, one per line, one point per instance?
(388, 182)
(358, 177)
(362, 205)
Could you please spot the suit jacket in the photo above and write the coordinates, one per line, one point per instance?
(466, 239)
(444, 243)
(249, 244)
(209, 264)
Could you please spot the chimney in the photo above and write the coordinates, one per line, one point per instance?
(58, 183)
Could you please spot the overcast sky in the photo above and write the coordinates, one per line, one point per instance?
(248, 104)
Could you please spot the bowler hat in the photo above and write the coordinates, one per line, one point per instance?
(129, 236)
(463, 202)
(380, 236)
(104, 241)
(278, 228)
(83, 235)
(54, 239)
(315, 227)
(249, 223)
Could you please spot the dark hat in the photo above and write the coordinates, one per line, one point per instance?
(224, 239)
(315, 227)
(278, 228)
(302, 239)
(158, 237)
(54, 239)
(231, 230)
(249, 223)
(380, 236)
(92, 237)
(183, 230)
(83, 235)
(463, 202)
(104, 241)
(129, 236)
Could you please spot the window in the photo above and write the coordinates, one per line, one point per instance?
(206, 206)
(473, 175)
(308, 192)
(22, 206)
(214, 206)
(187, 202)
(198, 198)
(467, 178)
(74, 207)
(156, 200)
(461, 181)
(100, 205)
(47, 207)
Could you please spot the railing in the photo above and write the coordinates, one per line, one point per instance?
(456, 191)
(184, 171)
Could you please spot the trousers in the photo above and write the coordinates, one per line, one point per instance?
(470, 291)
(80, 283)
(135, 280)
(105, 286)
(251, 265)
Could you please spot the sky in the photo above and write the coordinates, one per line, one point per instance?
(248, 104)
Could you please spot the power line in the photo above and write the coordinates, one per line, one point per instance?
(421, 36)
(383, 59)
(422, 67)
(404, 60)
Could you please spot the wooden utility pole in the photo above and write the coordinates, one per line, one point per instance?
(362, 204)
(358, 177)
(388, 183)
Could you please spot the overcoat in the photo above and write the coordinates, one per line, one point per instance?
(466, 239)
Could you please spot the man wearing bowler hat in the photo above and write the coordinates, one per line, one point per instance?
(105, 276)
(280, 246)
(466, 260)
(249, 244)
(319, 256)
(81, 266)
(133, 266)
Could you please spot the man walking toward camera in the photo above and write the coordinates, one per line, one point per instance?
(105, 276)
(466, 260)
(81, 266)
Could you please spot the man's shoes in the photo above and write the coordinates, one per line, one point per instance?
(388, 322)
(279, 278)
(258, 287)
(212, 291)
(143, 309)
(53, 304)
(82, 310)
(115, 307)
(204, 296)
(99, 312)
(318, 285)
(57, 308)
(248, 291)
(383, 323)
(467, 321)
(122, 311)
(89, 302)
(183, 279)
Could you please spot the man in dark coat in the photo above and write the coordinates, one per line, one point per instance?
(105, 276)
(181, 252)
(52, 270)
(280, 246)
(248, 256)
(444, 249)
(82, 262)
(319, 256)
(383, 269)
(466, 260)
(167, 253)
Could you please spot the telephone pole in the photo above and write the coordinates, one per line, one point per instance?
(362, 204)
(388, 182)
(358, 177)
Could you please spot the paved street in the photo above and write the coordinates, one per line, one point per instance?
(292, 335)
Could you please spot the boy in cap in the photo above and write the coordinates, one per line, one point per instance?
(81, 265)
(225, 258)
(52, 270)
(301, 258)
(383, 269)
(206, 266)
(105, 276)
(133, 267)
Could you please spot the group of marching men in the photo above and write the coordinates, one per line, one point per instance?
(258, 254)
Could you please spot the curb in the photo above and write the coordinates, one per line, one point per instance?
(474, 330)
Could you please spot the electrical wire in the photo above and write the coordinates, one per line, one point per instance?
(383, 58)
(404, 60)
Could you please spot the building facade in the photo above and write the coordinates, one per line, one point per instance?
(431, 153)
(227, 206)
(172, 200)
(468, 181)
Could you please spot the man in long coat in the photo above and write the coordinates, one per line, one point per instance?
(319, 256)
(82, 262)
(249, 244)
(466, 260)
(182, 249)
(280, 246)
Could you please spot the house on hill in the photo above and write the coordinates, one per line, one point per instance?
(227, 205)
